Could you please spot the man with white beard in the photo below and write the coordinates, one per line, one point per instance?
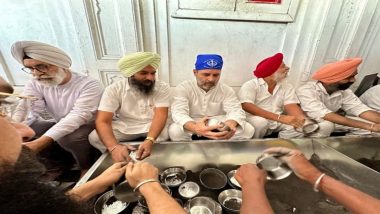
(70, 98)
(271, 104)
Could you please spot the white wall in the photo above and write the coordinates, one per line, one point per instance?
(42, 20)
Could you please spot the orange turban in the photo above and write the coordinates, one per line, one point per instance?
(336, 71)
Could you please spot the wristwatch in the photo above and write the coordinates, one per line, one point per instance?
(151, 139)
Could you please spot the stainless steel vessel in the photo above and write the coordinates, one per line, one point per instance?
(287, 195)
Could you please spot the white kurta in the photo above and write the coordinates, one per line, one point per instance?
(71, 105)
(316, 102)
(372, 98)
(256, 92)
(134, 109)
(191, 103)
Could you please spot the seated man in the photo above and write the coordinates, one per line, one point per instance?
(328, 93)
(141, 103)
(195, 102)
(372, 98)
(70, 98)
(266, 97)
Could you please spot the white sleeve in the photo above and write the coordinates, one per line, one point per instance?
(352, 105)
(311, 102)
(82, 112)
(233, 107)
(180, 106)
(247, 92)
(110, 100)
(372, 98)
(290, 96)
(162, 98)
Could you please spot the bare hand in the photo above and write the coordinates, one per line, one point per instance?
(375, 128)
(138, 172)
(121, 153)
(202, 129)
(297, 162)
(292, 120)
(33, 145)
(250, 175)
(111, 175)
(37, 145)
(144, 150)
(25, 131)
(232, 125)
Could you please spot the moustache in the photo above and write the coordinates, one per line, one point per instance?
(148, 82)
(43, 77)
(210, 82)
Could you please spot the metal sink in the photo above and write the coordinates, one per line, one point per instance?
(355, 147)
(290, 195)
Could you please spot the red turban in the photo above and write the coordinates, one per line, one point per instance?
(336, 71)
(268, 66)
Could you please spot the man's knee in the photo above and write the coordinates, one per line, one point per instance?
(80, 134)
(41, 126)
(176, 133)
(258, 122)
(95, 141)
(77, 139)
(289, 132)
(247, 132)
(325, 129)
(164, 135)
(260, 125)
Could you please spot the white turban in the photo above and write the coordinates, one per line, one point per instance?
(135, 62)
(40, 51)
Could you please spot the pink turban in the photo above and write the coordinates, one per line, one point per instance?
(336, 71)
(268, 66)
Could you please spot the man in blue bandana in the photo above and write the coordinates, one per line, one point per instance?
(197, 104)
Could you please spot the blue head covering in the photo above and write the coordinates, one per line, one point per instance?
(209, 61)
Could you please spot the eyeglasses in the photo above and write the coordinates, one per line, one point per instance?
(42, 68)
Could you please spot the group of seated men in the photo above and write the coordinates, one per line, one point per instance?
(84, 116)
(20, 180)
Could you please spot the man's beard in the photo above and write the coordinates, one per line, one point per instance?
(206, 85)
(337, 87)
(344, 86)
(49, 81)
(279, 77)
(144, 86)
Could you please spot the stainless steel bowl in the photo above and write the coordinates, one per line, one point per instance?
(124, 192)
(108, 202)
(275, 168)
(173, 176)
(231, 199)
(232, 181)
(213, 122)
(218, 207)
(202, 205)
(308, 127)
(213, 178)
(188, 189)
